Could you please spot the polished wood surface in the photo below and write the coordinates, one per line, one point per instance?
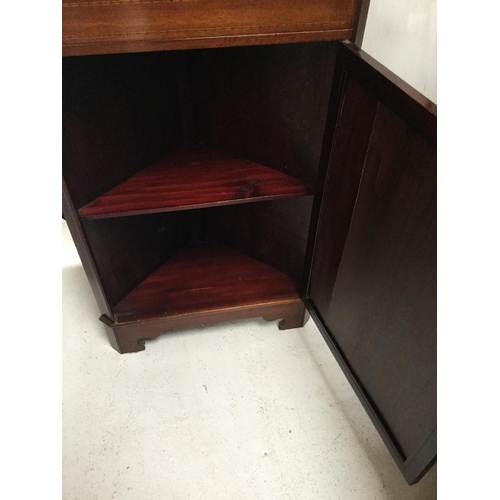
(349, 151)
(383, 305)
(267, 104)
(113, 26)
(374, 293)
(273, 232)
(398, 95)
(84, 251)
(120, 114)
(369, 262)
(186, 179)
(130, 337)
(270, 105)
(201, 280)
(123, 112)
(126, 250)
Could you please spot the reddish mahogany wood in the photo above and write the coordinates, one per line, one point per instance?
(130, 337)
(120, 114)
(349, 152)
(126, 250)
(399, 96)
(383, 305)
(266, 104)
(279, 239)
(193, 179)
(203, 280)
(372, 287)
(84, 251)
(112, 26)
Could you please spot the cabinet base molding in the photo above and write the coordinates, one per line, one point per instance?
(131, 337)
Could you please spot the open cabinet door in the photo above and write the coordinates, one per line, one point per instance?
(372, 273)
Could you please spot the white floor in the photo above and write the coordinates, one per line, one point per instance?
(239, 410)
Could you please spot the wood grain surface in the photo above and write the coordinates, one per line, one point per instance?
(130, 337)
(113, 26)
(267, 104)
(203, 280)
(126, 250)
(193, 179)
(120, 114)
(372, 287)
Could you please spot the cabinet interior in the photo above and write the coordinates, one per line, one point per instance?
(191, 177)
(185, 166)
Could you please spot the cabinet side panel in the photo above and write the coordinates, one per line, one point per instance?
(84, 252)
(120, 114)
(266, 104)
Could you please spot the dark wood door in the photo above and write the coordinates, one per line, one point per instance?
(372, 270)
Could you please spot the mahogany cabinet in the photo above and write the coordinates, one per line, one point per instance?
(227, 159)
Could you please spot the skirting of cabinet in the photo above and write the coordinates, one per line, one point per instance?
(203, 285)
(131, 337)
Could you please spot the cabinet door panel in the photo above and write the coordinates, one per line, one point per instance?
(372, 286)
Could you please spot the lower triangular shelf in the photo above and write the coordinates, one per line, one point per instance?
(205, 280)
